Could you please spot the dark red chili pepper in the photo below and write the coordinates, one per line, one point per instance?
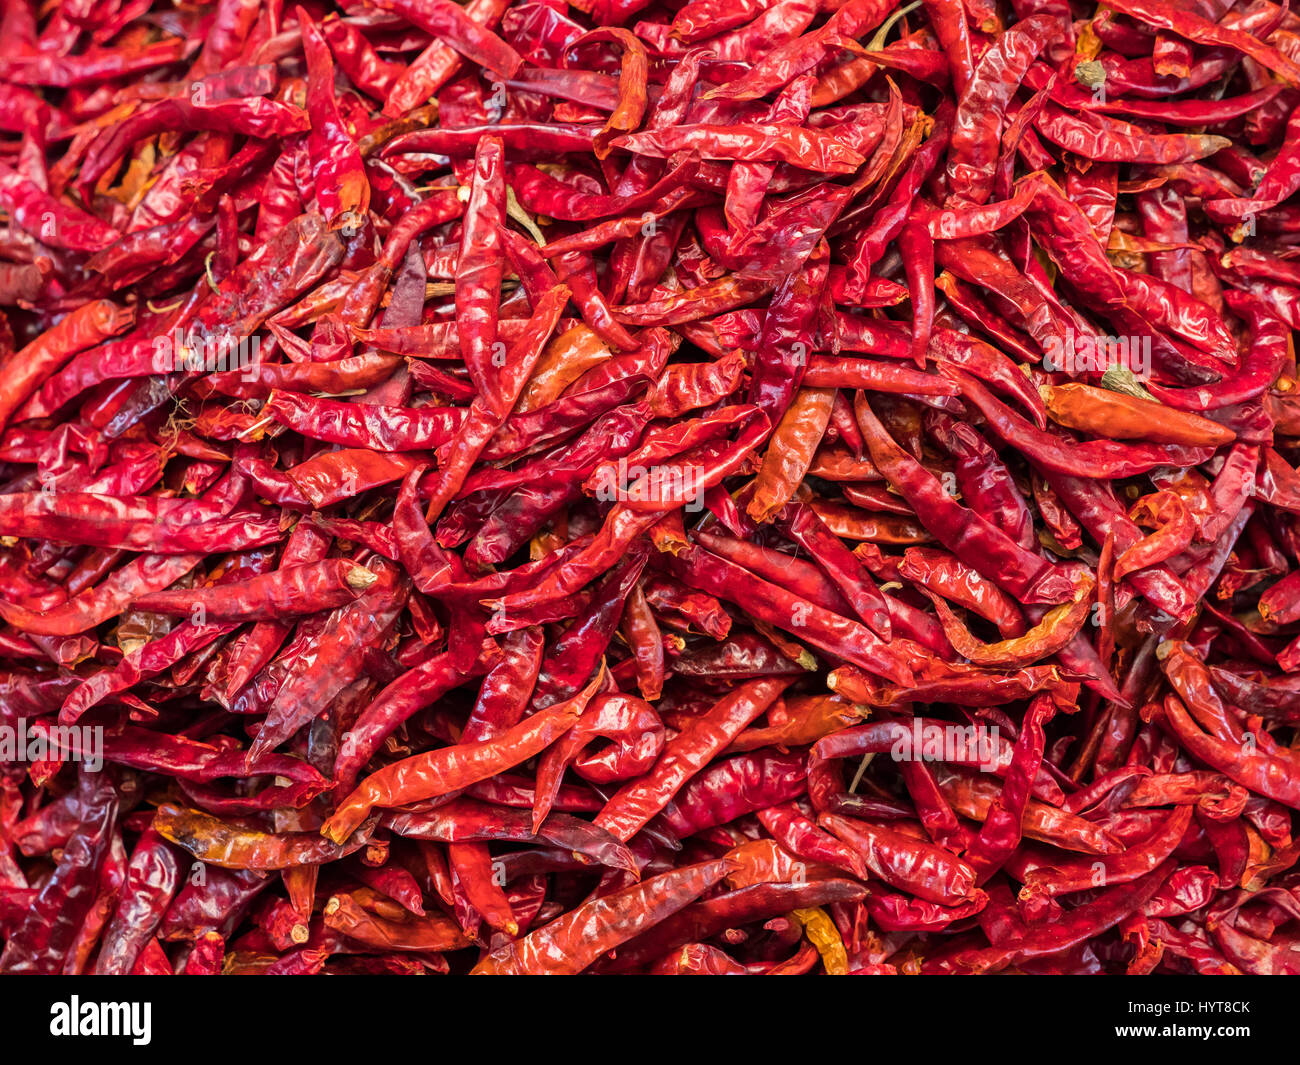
(479, 465)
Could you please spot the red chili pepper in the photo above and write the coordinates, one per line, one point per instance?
(444, 771)
(633, 805)
(948, 366)
(570, 944)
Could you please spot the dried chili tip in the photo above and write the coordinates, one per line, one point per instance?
(848, 684)
(806, 659)
(1090, 73)
(1036, 892)
(361, 578)
(1122, 379)
(669, 534)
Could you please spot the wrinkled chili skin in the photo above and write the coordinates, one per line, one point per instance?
(39, 944)
(733, 487)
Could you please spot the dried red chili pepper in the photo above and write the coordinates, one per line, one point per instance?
(444, 771)
(301, 443)
(572, 943)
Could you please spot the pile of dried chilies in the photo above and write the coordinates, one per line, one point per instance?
(734, 486)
